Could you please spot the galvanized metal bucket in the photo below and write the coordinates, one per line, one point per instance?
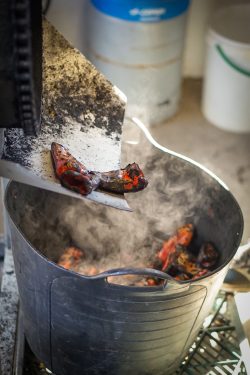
(78, 324)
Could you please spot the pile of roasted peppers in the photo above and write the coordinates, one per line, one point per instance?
(174, 258)
(178, 261)
(75, 176)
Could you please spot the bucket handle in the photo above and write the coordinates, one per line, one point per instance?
(169, 281)
(231, 62)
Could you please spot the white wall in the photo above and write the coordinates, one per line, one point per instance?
(68, 17)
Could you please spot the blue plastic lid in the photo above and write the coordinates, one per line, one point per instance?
(142, 10)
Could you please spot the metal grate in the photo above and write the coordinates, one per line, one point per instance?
(216, 349)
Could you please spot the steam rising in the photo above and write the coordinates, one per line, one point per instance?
(178, 193)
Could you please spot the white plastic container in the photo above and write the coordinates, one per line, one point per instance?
(226, 89)
(138, 45)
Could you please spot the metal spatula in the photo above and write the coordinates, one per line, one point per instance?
(80, 110)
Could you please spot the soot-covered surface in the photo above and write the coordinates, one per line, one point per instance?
(81, 109)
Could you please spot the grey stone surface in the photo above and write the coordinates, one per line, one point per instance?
(8, 314)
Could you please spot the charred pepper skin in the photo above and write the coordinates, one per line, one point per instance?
(78, 182)
(64, 161)
(182, 264)
(175, 259)
(208, 255)
(128, 180)
(72, 174)
(182, 237)
(70, 258)
(185, 235)
(75, 176)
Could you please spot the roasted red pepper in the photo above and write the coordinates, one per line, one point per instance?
(175, 258)
(75, 176)
(201, 273)
(167, 252)
(185, 234)
(152, 282)
(182, 237)
(64, 161)
(208, 255)
(72, 174)
(127, 180)
(182, 277)
(71, 257)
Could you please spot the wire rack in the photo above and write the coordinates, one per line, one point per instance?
(216, 349)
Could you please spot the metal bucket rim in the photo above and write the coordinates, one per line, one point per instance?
(98, 276)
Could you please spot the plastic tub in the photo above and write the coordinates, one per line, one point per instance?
(138, 45)
(226, 90)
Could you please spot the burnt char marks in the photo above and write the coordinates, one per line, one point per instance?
(80, 91)
(80, 109)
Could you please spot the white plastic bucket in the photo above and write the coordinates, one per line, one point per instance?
(226, 89)
(138, 45)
